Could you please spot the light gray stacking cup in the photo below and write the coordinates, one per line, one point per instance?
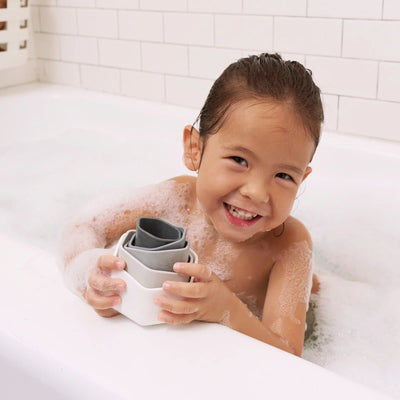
(150, 253)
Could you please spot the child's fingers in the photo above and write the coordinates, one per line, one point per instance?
(196, 290)
(170, 318)
(176, 306)
(104, 283)
(198, 271)
(99, 302)
(111, 262)
(109, 312)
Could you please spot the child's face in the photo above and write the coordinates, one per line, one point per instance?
(252, 167)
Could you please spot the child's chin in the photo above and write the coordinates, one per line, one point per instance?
(235, 237)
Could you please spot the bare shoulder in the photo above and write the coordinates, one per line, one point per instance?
(186, 186)
(292, 235)
(300, 243)
(295, 231)
(183, 180)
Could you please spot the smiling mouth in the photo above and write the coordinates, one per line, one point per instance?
(239, 213)
(240, 217)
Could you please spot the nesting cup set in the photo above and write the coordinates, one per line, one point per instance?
(150, 253)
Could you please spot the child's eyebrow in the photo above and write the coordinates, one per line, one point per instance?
(239, 148)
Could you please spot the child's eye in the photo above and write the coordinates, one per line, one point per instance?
(240, 160)
(284, 176)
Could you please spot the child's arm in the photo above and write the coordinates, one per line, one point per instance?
(288, 292)
(87, 262)
(211, 300)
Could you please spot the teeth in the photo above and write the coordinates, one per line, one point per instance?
(240, 213)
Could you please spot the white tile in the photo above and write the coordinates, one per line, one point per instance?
(308, 35)
(344, 76)
(99, 23)
(119, 53)
(166, 58)
(389, 81)
(229, 32)
(59, 72)
(210, 62)
(58, 20)
(47, 46)
(391, 9)
(250, 52)
(35, 18)
(330, 104)
(301, 58)
(43, 2)
(76, 3)
(118, 4)
(100, 78)
(188, 92)
(212, 6)
(141, 25)
(143, 85)
(31, 47)
(377, 40)
(162, 5)
(276, 7)
(79, 49)
(345, 9)
(369, 118)
(189, 29)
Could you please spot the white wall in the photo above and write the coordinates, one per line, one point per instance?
(172, 50)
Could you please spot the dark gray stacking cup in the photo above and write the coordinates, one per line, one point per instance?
(158, 244)
(157, 234)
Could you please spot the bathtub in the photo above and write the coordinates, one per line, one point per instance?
(61, 147)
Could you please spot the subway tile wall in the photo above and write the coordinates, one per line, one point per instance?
(172, 50)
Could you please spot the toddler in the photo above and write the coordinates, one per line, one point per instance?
(257, 133)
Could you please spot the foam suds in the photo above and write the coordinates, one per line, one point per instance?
(165, 200)
(350, 327)
(84, 234)
(296, 288)
(78, 271)
(161, 200)
(221, 266)
(226, 318)
(251, 302)
(214, 251)
(357, 325)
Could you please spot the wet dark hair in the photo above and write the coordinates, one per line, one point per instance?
(263, 77)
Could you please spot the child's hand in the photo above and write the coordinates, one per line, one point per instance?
(207, 298)
(102, 290)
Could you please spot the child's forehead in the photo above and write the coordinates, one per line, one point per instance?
(263, 117)
(260, 125)
(262, 109)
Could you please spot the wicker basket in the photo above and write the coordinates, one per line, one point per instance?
(14, 38)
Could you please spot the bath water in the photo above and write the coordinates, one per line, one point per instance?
(54, 163)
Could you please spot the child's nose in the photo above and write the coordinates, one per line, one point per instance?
(256, 190)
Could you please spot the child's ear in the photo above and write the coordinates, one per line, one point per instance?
(192, 147)
(308, 172)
